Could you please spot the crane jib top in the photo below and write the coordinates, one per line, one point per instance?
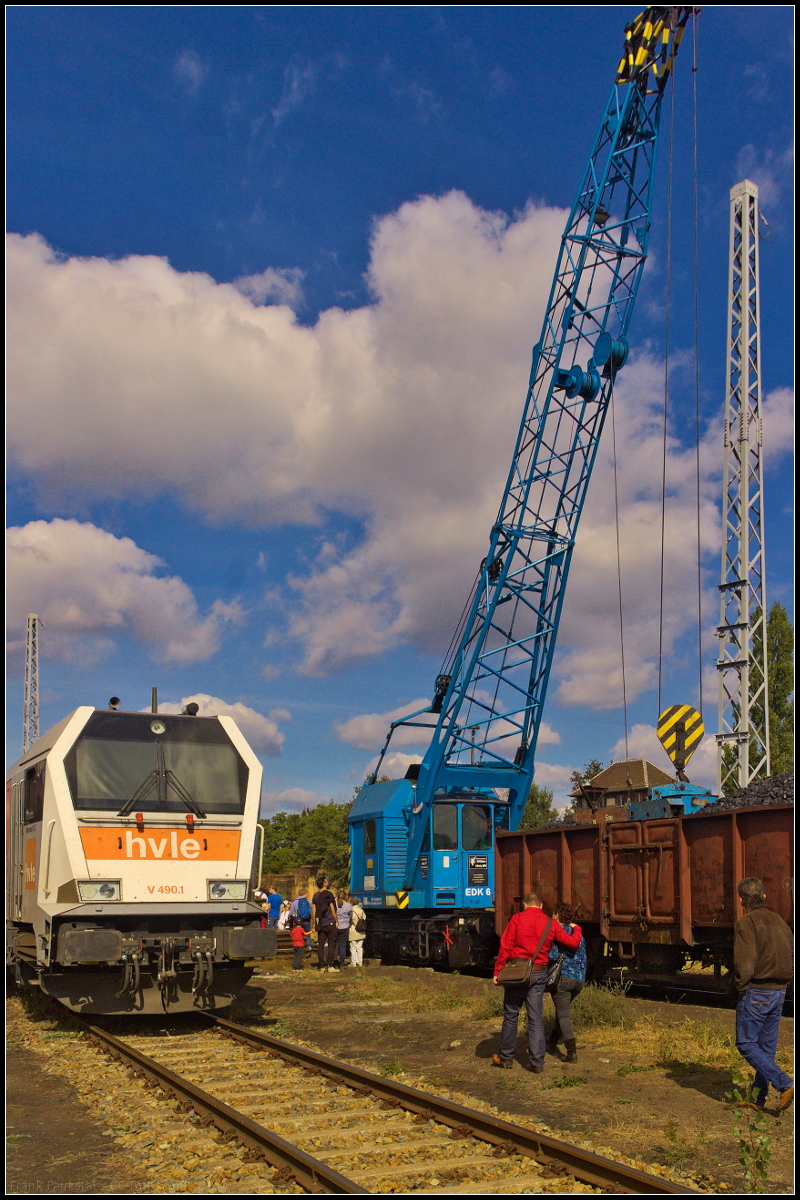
(490, 695)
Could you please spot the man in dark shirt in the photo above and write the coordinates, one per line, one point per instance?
(762, 963)
(325, 922)
(524, 933)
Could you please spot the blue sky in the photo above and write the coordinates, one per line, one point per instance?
(274, 278)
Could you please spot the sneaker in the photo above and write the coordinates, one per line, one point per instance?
(785, 1100)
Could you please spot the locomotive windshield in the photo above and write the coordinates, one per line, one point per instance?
(117, 752)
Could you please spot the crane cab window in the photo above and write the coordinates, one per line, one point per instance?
(476, 827)
(445, 826)
(370, 837)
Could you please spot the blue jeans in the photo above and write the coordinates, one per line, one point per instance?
(758, 1018)
(532, 996)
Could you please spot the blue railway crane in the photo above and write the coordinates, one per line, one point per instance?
(421, 847)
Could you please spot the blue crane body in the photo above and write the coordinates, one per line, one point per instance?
(422, 848)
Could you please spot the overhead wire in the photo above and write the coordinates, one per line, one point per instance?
(695, 33)
(619, 568)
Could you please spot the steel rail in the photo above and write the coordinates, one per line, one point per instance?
(560, 1157)
(294, 1163)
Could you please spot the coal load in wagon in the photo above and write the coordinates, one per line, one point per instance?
(778, 789)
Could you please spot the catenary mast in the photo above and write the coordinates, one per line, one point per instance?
(30, 715)
(743, 738)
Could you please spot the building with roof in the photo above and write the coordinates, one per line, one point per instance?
(607, 795)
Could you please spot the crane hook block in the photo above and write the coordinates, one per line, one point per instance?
(576, 382)
(611, 353)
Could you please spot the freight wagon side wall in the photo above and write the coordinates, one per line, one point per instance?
(729, 846)
(560, 864)
(670, 880)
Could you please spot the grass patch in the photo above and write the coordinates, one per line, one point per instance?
(408, 995)
(628, 1069)
(280, 1029)
(489, 1007)
(566, 1081)
(602, 1006)
(689, 1046)
(391, 1068)
(693, 1044)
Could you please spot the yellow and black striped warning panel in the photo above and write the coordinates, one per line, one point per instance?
(679, 730)
(402, 899)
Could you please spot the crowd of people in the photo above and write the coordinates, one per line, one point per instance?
(336, 920)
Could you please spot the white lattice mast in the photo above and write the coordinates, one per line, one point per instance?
(30, 715)
(743, 738)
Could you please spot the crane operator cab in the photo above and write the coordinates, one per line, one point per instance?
(446, 916)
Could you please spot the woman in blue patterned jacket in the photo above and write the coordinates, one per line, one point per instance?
(573, 977)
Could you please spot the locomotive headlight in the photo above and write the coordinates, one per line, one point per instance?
(100, 889)
(227, 889)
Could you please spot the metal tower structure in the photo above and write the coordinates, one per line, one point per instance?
(743, 738)
(30, 714)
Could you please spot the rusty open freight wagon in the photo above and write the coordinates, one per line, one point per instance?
(653, 896)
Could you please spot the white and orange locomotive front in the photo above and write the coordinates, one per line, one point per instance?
(131, 854)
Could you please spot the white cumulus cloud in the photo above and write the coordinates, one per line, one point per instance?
(643, 743)
(88, 586)
(261, 732)
(394, 765)
(277, 286)
(552, 775)
(369, 730)
(400, 414)
(293, 799)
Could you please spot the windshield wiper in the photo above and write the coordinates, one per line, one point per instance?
(162, 779)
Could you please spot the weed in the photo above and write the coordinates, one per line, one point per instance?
(566, 1081)
(623, 1101)
(391, 1068)
(693, 1044)
(755, 1145)
(680, 1146)
(628, 1068)
(489, 1007)
(281, 1029)
(59, 1034)
(414, 995)
(599, 1005)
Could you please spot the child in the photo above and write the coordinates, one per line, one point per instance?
(299, 943)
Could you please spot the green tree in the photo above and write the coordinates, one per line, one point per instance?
(316, 836)
(280, 843)
(539, 809)
(780, 685)
(592, 768)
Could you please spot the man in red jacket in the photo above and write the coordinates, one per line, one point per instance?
(524, 933)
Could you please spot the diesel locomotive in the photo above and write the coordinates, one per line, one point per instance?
(132, 846)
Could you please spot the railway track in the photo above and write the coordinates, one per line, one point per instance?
(350, 1132)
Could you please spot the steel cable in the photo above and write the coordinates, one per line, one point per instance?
(619, 568)
(666, 391)
(695, 31)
